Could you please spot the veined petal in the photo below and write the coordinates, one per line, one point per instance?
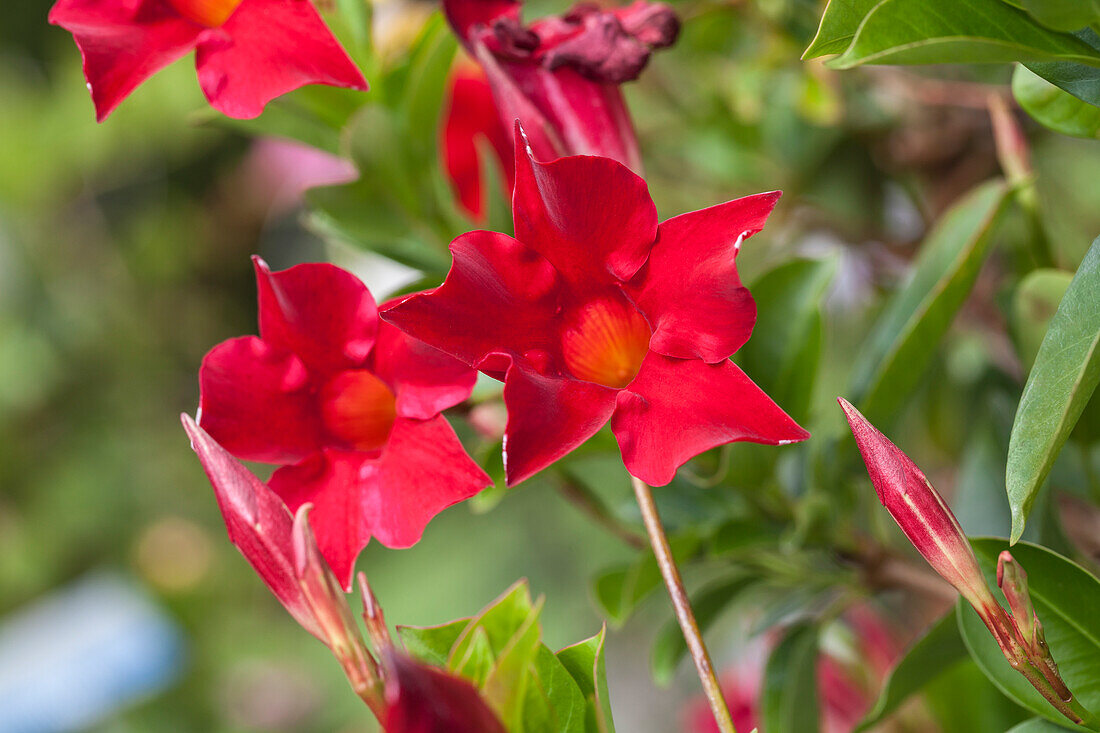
(548, 417)
(332, 481)
(318, 311)
(425, 380)
(677, 408)
(123, 43)
(500, 297)
(258, 402)
(465, 15)
(592, 218)
(690, 290)
(268, 48)
(258, 523)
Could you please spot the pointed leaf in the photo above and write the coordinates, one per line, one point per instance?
(838, 26)
(585, 662)
(790, 683)
(1080, 80)
(1066, 372)
(432, 644)
(1053, 107)
(903, 340)
(562, 693)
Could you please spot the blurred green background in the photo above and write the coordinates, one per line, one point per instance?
(124, 257)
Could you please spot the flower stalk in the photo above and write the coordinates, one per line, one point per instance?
(682, 606)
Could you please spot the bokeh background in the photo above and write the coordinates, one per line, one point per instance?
(124, 256)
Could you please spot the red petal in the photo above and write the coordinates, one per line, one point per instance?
(268, 48)
(689, 288)
(499, 297)
(259, 524)
(422, 699)
(547, 418)
(123, 43)
(332, 482)
(421, 471)
(471, 115)
(677, 408)
(425, 380)
(258, 402)
(590, 217)
(464, 15)
(323, 314)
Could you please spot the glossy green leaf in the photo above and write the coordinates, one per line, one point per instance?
(585, 662)
(432, 644)
(1033, 305)
(507, 683)
(476, 660)
(1066, 597)
(783, 353)
(670, 648)
(1053, 107)
(957, 31)
(1065, 374)
(937, 651)
(838, 26)
(1063, 15)
(904, 338)
(789, 702)
(1038, 725)
(567, 708)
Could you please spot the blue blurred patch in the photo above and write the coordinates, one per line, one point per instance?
(82, 652)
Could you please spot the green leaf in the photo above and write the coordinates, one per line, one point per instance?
(790, 683)
(838, 26)
(476, 660)
(1033, 305)
(501, 621)
(938, 650)
(432, 644)
(783, 353)
(1053, 107)
(565, 701)
(507, 684)
(1066, 597)
(423, 98)
(1066, 371)
(957, 31)
(585, 662)
(670, 647)
(1080, 80)
(1037, 725)
(904, 338)
(1063, 15)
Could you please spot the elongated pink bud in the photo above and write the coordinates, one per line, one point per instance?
(920, 511)
(258, 522)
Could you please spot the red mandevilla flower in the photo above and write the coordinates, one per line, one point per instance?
(247, 52)
(559, 76)
(593, 312)
(349, 407)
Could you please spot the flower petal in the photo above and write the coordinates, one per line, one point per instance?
(689, 288)
(471, 115)
(423, 699)
(425, 380)
(268, 48)
(258, 523)
(123, 43)
(547, 418)
(332, 481)
(323, 314)
(590, 217)
(257, 401)
(465, 15)
(677, 408)
(500, 297)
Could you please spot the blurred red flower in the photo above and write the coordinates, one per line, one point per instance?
(347, 405)
(247, 52)
(560, 75)
(593, 313)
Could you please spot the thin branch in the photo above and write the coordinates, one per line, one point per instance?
(583, 499)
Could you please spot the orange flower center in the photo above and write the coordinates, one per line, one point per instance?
(605, 341)
(358, 409)
(210, 13)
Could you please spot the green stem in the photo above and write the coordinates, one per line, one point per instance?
(682, 606)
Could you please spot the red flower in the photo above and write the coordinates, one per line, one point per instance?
(423, 699)
(349, 407)
(595, 313)
(247, 52)
(470, 116)
(559, 76)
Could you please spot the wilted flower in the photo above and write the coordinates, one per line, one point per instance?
(593, 312)
(247, 52)
(559, 76)
(347, 405)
